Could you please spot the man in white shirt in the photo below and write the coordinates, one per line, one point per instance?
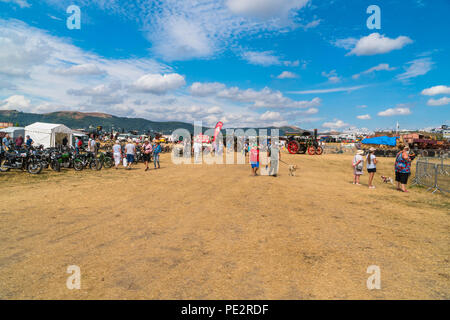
(130, 150)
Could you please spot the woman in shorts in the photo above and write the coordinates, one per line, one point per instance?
(371, 166)
(402, 169)
(147, 149)
(358, 166)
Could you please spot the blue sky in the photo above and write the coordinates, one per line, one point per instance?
(309, 63)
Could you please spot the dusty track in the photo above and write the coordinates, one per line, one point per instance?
(216, 232)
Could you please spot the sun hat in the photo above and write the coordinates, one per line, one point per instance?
(117, 141)
(372, 149)
(129, 140)
(146, 140)
(360, 152)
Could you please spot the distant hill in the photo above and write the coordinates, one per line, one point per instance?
(81, 120)
(85, 120)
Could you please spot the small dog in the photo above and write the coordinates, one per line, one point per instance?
(387, 180)
(292, 169)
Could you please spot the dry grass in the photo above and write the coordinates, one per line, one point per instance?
(216, 232)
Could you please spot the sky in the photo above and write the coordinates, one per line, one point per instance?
(247, 63)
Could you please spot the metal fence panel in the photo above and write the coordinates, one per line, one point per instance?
(435, 176)
(443, 177)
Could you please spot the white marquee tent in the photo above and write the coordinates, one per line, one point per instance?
(48, 134)
(14, 132)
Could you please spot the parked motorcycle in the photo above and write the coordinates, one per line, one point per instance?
(84, 160)
(106, 158)
(22, 160)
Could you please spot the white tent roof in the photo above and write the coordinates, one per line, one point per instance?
(12, 129)
(47, 127)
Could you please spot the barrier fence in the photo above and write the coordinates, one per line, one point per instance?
(435, 176)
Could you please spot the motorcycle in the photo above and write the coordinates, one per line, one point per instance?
(21, 159)
(48, 158)
(84, 160)
(106, 159)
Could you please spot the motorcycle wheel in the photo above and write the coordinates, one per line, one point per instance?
(34, 167)
(3, 168)
(78, 165)
(108, 162)
(95, 164)
(56, 166)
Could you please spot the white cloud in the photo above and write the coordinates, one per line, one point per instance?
(215, 110)
(79, 70)
(180, 30)
(342, 89)
(271, 115)
(380, 67)
(373, 44)
(416, 68)
(336, 124)
(15, 102)
(398, 111)
(439, 102)
(20, 3)
(264, 58)
(265, 8)
(436, 90)
(266, 98)
(206, 88)
(347, 44)
(287, 75)
(20, 53)
(158, 83)
(363, 106)
(364, 117)
(311, 24)
(332, 76)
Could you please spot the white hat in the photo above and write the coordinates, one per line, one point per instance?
(360, 152)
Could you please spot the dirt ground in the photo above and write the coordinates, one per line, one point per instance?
(216, 232)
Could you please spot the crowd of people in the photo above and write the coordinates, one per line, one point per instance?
(126, 154)
(402, 167)
(19, 142)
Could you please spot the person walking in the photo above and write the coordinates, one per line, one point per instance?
(274, 155)
(358, 166)
(197, 150)
(371, 166)
(254, 159)
(117, 154)
(156, 152)
(147, 149)
(130, 150)
(402, 169)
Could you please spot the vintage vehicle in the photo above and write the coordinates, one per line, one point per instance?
(302, 142)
